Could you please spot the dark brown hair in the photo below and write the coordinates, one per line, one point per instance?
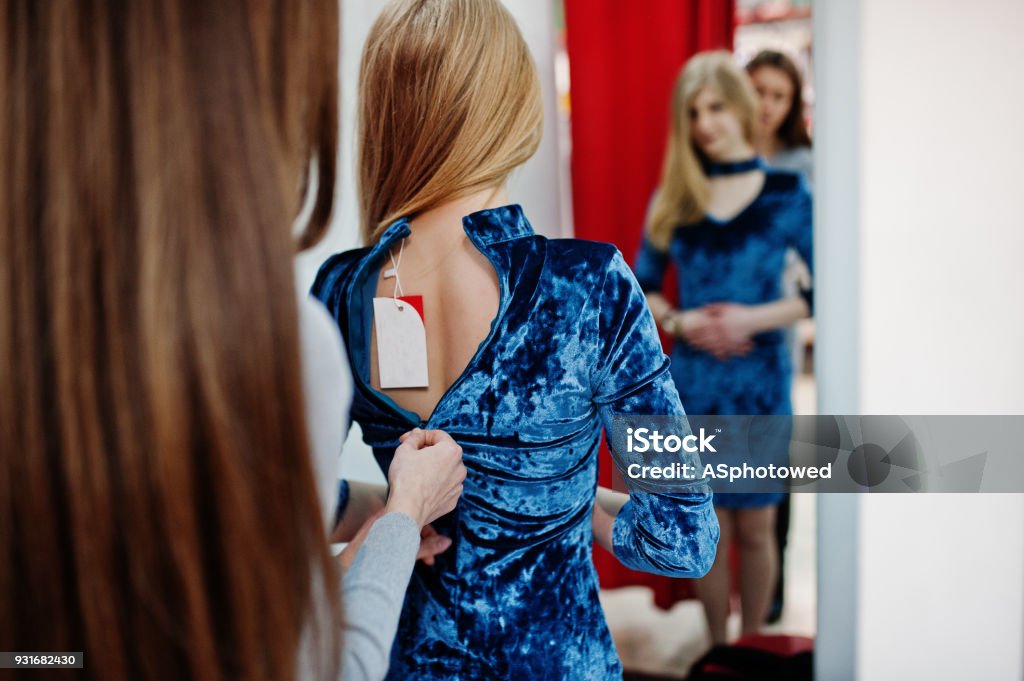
(158, 508)
(793, 131)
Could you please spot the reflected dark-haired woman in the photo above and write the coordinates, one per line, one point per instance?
(781, 137)
(783, 141)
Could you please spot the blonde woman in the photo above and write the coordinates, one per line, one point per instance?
(532, 345)
(726, 221)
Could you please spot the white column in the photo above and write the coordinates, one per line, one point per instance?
(931, 303)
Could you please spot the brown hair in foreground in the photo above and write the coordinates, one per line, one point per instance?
(157, 504)
(449, 105)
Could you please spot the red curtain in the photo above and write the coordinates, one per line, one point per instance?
(623, 61)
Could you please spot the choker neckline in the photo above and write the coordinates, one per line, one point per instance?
(717, 168)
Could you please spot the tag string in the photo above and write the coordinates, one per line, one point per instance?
(398, 281)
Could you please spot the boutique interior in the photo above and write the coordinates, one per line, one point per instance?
(914, 115)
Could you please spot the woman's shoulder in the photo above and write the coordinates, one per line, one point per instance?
(335, 273)
(792, 158)
(595, 268)
(780, 181)
(797, 160)
(582, 252)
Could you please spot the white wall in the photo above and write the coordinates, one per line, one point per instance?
(935, 303)
(538, 185)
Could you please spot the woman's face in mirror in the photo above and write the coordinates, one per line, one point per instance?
(775, 97)
(716, 129)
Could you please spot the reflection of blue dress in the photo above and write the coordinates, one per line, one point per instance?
(741, 261)
(573, 344)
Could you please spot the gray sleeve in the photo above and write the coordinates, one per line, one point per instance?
(373, 590)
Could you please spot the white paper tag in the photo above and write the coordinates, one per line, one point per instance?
(401, 342)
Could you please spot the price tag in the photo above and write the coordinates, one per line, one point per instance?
(401, 341)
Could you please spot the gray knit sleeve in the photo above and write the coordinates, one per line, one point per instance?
(373, 590)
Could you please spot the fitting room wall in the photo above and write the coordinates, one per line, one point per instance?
(538, 185)
(918, 153)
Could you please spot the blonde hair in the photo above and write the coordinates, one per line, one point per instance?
(449, 105)
(682, 193)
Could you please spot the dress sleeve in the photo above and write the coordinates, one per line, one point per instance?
(373, 590)
(650, 266)
(673, 534)
(798, 222)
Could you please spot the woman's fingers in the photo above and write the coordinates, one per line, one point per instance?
(415, 437)
(418, 438)
(432, 546)
(426, 475)
(436, 437)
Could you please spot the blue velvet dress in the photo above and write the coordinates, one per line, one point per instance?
(573, 343)
(741, 261)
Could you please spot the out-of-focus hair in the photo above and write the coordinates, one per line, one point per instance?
(682, 193)
(449, 105)
(793, 130)
(158, 509)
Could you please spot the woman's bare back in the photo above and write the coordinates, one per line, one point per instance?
(460, 300)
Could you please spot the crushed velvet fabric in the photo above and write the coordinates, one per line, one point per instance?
(573, 343)
(740, 260)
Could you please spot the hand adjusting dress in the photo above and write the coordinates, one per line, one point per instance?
(573, 342)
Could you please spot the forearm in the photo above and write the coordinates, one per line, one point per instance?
(373, 591)
(365, 499)
(607, 504)
(611, 501)
(777, 314)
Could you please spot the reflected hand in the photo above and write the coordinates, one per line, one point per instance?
(721, 329)
(735, 324)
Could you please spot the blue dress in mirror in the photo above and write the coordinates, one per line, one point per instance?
(573, 343)
(739, 260)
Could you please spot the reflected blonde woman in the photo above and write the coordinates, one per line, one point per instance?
(726, 221)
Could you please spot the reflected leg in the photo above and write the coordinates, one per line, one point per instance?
(759, 563)
(713, 588)
(781, 537)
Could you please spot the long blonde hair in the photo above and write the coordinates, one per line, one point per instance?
(449, 105)
(682, 193)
